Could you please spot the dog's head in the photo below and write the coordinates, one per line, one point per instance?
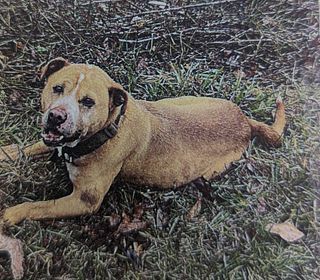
(77, 101)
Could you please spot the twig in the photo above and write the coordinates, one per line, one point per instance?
(180, 8)
(213, 42)
(96, 2)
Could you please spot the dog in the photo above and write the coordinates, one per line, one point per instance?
(102, 132)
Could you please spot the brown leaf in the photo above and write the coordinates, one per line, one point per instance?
(239, 74)
(138, 248)
(142, 64)
(3, 60)
(138, 212)
(128, 226)
(15, 97)
(286, 231)
(20, 45)
(125, 218)
(195, 210)
(113, 220)
(262, 206)
(135, 253)
(14, 248)
(131, 227)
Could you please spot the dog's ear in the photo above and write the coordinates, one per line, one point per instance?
(118, 97)
(53, 66)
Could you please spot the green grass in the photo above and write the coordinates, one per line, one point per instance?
(227, 240)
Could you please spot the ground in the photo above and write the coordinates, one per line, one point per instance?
(246, 51)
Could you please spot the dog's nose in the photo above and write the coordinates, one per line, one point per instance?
(56, 117)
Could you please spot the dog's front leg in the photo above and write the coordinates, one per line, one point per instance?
(87, 196)
(63, 207)
(12, 152)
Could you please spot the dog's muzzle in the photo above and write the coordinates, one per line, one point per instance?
(55, 124)
(56, 117)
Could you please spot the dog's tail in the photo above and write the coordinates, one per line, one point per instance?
(270, 135)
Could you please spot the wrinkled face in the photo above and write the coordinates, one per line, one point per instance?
(75, 104)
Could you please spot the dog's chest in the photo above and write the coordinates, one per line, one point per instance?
(73, 172)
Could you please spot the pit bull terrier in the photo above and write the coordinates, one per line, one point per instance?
(101, 132)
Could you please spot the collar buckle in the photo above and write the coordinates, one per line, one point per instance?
(111, 130)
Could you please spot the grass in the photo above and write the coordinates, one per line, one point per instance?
(227, 239)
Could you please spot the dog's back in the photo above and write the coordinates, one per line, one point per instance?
(191, 137)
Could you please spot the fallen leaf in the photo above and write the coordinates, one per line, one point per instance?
(138, 248)
(15, 98)
(142, 64)
(286, 231)
(113, 220)
(304, 162)
(138, 22)
(20, 45)
(239, 74)
(3, 60)
(195, 210)
(135, 253)
(138, 212)
(262, 206)
(269, 21)
(14, 248)
(125, 218)
(128, 226)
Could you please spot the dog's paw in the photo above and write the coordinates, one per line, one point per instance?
(14, 215)
(10, 152)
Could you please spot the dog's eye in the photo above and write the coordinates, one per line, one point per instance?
(87, 101)
(58, 89)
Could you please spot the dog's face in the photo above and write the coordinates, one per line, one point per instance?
(76, 102)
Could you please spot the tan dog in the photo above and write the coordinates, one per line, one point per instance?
(102, 131)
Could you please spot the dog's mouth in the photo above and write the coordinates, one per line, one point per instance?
(54, 138)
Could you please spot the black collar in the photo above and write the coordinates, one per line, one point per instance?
(90, 144)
